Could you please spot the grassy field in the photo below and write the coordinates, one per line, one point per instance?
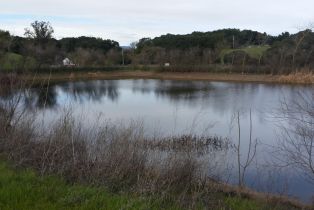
(253, 51)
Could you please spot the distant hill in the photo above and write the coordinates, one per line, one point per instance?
(225, 38)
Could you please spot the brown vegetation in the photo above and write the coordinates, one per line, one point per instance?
(302, 77)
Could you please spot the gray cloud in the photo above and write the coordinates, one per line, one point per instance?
(128, 21)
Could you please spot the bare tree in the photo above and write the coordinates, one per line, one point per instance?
(296, 145)
(133, 45)
(299, 39)
(249, 156)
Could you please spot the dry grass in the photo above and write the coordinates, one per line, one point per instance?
(300, 77)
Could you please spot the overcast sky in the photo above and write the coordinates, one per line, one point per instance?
(128, 20)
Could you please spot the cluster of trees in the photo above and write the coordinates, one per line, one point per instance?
(199, 50)
(39, 49)
(280, 54)
(212, 40)
(292, 52)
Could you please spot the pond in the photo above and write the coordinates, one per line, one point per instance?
(189, 107)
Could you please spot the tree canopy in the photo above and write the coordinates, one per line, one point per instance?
(40, 31)
(71, 44)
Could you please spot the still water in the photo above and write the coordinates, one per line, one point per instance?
(188, 107)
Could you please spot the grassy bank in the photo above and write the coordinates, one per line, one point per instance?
(304, 78)
(24, 189)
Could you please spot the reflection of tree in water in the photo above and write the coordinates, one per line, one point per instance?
(81, 91)
(175, 91)
(145, 86)
(194, 93)
(92, 90)
(45, 97)
(217, 95)
(181, 90)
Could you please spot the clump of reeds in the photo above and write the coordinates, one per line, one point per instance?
(188, 143)
(300, 77)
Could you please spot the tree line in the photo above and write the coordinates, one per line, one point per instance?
(226, 48)
(39, 49)
(232, 47)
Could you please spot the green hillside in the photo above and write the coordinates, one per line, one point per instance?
(253, 51)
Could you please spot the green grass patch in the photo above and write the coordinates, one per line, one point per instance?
(253, 51)
(24, 189)
(237, 203)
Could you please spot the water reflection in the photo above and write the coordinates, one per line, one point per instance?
(219, 96)
(94, 90)
(41, 98)
(46, 97)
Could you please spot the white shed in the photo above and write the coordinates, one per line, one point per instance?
(67, 62)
